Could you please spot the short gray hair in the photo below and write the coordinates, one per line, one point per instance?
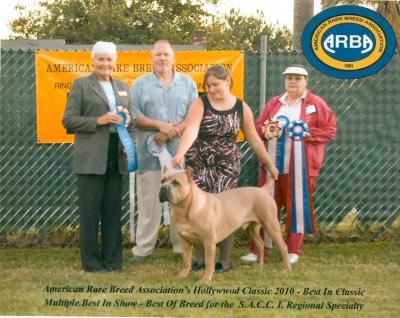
(162, 41)
(101, 47)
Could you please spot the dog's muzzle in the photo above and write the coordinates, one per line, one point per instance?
(164, 193)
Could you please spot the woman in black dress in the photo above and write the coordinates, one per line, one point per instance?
(209, 143)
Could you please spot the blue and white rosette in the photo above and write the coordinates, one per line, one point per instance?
(297, 130)
(165, 158)
(127, 142)
(161, 152)
(301, 202)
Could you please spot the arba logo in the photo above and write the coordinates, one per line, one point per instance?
(338, 41)
(348, 42)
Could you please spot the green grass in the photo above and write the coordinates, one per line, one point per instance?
(372, 268)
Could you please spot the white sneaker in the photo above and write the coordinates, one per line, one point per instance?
(293, 258)
(251, 257)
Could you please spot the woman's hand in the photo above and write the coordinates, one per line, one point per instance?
(108, 118)
(178, 161)
(126, 112)
(272, 170)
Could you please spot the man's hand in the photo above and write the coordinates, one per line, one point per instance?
(168, 129)
(160, 139)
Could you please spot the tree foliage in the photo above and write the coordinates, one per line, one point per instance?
(143, 22)
(86, 21)
(238, 32)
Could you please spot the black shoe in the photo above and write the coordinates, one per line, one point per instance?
(219, 268)
(95, 270)
(196, 266)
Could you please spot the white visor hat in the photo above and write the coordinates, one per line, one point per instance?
(295, 70)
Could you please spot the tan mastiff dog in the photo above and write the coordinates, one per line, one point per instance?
(205, 218)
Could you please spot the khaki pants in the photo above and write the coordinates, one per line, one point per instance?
(149, 215)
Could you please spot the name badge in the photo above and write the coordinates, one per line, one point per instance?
(122, 93)
(310, 109)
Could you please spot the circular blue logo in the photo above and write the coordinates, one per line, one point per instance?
(348, 42)
(353, 48)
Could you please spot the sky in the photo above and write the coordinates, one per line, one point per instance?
(278, 12)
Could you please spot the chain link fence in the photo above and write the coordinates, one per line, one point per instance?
(361, 172)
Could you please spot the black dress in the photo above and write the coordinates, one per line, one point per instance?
(215, 155)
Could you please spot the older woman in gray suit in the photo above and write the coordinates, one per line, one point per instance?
(98, 159)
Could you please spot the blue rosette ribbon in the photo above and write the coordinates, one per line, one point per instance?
(283, 122)
(127, 142)
(297, 130)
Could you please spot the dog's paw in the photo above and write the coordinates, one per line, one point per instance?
(183, 273)
(206, 279)
(258, 265)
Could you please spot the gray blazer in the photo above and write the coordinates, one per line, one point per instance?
(87, 101)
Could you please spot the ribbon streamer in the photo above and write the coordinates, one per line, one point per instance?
(162, 152)
(277, 148)
(300, 214)
(165, 159)
(280, 147)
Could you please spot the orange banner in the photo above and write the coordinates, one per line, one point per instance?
(56, 70)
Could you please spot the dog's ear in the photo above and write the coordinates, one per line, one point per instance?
(189, 173)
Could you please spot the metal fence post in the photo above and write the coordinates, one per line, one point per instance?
(263, 70)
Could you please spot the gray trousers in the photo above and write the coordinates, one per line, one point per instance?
(149, 215)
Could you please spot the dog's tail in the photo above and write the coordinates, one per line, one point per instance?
(268, 185)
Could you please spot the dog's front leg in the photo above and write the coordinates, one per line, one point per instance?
(187, 258)
(209, 260)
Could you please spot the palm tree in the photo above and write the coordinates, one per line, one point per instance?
(303, 11)
(390, 10)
